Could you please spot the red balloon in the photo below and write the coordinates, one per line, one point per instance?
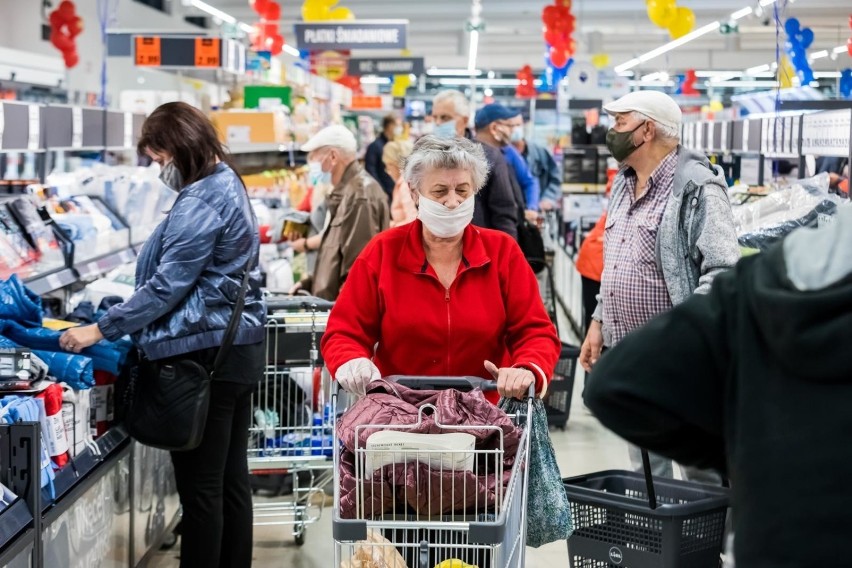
(272, 12)
(71, 58)
(849, 46)
(62, 42)
(75, 28)
(67, 9)
(549, 16)
(558, 58)
(275, 44)
(556, 39)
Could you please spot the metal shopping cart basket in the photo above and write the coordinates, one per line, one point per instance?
(291, 434)
(624, 519)
(484, 535)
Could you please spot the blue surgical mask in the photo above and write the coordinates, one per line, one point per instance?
(445, 130)
(316, 175)
(517, 134)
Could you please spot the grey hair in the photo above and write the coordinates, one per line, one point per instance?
(432, 153)
(666, 133)
(460, 102)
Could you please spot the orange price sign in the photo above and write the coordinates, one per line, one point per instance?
(148, 52)
(207, 51)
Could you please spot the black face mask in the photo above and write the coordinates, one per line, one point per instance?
(620, 144)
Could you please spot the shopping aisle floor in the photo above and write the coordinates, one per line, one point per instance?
(585, 446)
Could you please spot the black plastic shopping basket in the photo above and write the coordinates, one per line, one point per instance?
(623, 521)
(557, 400)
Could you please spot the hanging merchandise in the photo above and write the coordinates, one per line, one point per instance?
(799, 39)
(65, 26)
(526, 87)
(678, 20)
(267, 36)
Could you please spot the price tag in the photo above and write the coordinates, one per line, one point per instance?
(76, 127)
(207, 52)
(35, 127)
(148, 53)
(128, 129)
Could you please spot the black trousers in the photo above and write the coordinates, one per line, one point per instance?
(213, 484)
(591, 289)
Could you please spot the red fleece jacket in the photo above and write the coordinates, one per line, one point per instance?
(394, 310)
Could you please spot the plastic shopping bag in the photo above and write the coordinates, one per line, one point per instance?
(548, 512)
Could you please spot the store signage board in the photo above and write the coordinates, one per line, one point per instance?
(360, 102)
(208, 52)
(148, 52)
(827, 133)
(387, 66)
(364, 34)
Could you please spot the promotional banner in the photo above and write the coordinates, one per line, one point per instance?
(364, 34)
(387, 66)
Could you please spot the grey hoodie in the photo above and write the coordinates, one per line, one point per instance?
(696, 239)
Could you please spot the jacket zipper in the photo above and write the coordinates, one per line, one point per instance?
(449, 327)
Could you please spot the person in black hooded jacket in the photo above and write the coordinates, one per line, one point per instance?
(754, 380)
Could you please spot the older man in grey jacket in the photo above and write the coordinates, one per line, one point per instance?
(669, 230)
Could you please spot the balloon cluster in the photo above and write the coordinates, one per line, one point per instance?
(559, 25)
(686, 84)
(526, 87)
(799, 39)
(65, 26)
(400, 85)
(267, 36)
(785, 73)
(846, 83)
(322, 10)
(666, 14)
(351, 82)
(849, 41)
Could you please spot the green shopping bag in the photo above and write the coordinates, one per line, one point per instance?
(548, 511)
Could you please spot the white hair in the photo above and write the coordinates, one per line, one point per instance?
(666, 133)
(460, 102)
(432, 153)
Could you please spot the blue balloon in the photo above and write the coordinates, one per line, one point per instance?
(806, 75)
(544, 87)
(304, 54)
(807, 37)
(679, 80)
(846, 83)
(791, 26)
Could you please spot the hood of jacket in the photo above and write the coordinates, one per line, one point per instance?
(693, 171)
(802, 305)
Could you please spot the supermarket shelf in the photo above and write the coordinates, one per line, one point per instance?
(261, 148)
(45, 283)
(92, 268)
(583, 188)
(72, 476)
(14, 521)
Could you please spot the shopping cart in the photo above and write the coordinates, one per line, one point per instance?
(484, 535)
(624, 519)
(291, 434)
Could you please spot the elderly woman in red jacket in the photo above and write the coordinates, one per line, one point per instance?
(440, 296)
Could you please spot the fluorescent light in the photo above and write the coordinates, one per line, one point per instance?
(819, 54)
(827, 75)
(215, 12)
(292, 51)
(453, 72)
(626, 74)
(742, 13)
(767, 2)
(482, 82)
(758, 69)
(748, 84)
(840, 49)
(652, 83)
(658, 76)
(474, 45)
(665, 48)
(373, 80)
(249, 29)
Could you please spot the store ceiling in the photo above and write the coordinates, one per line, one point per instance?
(618, 27)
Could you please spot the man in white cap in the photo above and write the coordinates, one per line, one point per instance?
(669, 231)
(357, 209)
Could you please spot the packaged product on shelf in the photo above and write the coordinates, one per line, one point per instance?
(119, 282)
(53, 424)
(76, 411)
(102, 399)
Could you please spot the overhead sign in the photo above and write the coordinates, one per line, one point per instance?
(207, 52)
(365, 34)
(388, 66)
(148, 52)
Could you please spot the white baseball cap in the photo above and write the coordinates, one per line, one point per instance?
(655, 105)
(335, 135)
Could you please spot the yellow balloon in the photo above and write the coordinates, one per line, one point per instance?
(662, 12)
(682, 23)
(314, 12)
(600, 60)
(716, 106)
(785, 73)
(341, 14)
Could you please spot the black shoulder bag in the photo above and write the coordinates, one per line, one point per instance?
(167, 401)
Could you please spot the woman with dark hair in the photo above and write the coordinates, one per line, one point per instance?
(188, 278)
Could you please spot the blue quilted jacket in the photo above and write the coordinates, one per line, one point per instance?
(189, 273)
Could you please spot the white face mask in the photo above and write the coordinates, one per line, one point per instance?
(397, 131)
(442, 221)
(316, 175)
(517, 134)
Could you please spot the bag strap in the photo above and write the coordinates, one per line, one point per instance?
(234, 322)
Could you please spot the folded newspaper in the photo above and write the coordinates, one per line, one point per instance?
(447, 452)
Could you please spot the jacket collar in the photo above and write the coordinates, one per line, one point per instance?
(694, 170)
(413, 255)
(350, 172)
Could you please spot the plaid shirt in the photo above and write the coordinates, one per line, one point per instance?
(633, 289)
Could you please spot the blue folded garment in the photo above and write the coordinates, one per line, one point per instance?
(27, 409)
(75, 370)
(105, 355)
(19, 303)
